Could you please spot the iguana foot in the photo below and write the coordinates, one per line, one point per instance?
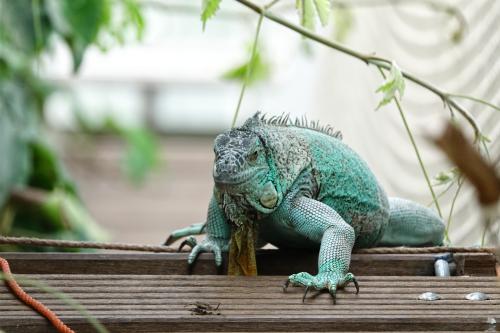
(330, 281)
(207, 245)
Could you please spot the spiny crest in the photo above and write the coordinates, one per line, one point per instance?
(285, 121)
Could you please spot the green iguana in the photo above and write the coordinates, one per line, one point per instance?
(296, 185)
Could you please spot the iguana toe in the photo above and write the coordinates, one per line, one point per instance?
(330, 281)
(190, 241)
(206, 246)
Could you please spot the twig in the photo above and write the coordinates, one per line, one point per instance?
(248, 70)
(415, 148)
(477, 100)
(367, 59)
(460, 182)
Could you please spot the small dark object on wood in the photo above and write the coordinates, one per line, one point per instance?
(203, 309)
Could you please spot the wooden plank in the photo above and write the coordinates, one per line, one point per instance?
(157, 303)
(258, 324)
(270, 262)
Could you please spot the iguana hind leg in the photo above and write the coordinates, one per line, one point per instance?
(411, 224)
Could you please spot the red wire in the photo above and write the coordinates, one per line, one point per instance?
(28, 300)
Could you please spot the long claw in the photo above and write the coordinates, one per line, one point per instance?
(305, 294)
(169, 241)
(190, 241)
(356, 284)
(333, 293)
(285, 285)
(184, 242)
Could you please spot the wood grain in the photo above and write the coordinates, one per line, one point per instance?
(270, 262)
(152, 293)
(155, 303)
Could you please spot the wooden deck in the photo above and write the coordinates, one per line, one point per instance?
(152, 293)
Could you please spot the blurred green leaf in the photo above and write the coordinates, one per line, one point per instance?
(343, 21)
(261, 69)
(17, 27)
(208, 10)
(63, 207)
(126, 18)
(306, 13)
(141, 155)
(47, 172)
(141, 152)
(308, 9)
(393, 84)
(323, 9)
(79, 22)
(445, 177)
(18, 120)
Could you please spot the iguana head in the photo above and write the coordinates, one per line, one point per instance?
(241, 169)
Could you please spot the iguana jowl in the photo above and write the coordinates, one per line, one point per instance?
(297, 185)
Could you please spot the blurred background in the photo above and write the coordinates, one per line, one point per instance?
(133, 127)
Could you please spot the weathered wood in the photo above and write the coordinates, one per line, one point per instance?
(152, 293)
(270, 262)
(158, 303)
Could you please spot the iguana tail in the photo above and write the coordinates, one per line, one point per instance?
(411, 224)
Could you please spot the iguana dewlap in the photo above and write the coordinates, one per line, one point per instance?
(296, 185)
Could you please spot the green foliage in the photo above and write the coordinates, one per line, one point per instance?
(446, 177)
(260, 69)
(343, 21)
(306, 13)
(208, 10)
(17, 27)
(309, 9)
(27, 28)
(18, 127)
(26, 25)
(78, 22)
(58, 212)
(141, 154)
(393, 84)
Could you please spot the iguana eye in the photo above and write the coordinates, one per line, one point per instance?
(253, 157)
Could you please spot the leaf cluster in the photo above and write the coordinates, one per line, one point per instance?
(393, 86)
(27, 31)
(309, 11)
(259, 68)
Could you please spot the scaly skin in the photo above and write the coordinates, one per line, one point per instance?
(301, 187)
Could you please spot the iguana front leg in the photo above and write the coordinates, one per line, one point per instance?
(218, 235)
(320, 223)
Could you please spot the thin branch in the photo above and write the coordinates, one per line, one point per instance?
(477, 100)
(415, 148)
(441, 193)
(367, 59)
(450, 214)
(249, 69)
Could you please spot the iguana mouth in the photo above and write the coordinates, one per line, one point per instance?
(223, 180)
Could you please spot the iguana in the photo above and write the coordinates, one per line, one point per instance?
(295, 184)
